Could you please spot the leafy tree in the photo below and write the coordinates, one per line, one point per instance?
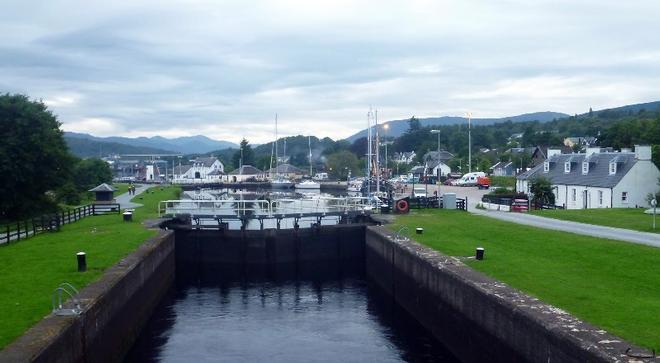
(89, 173)
(340, 162)
(34, 158)
(542, 190)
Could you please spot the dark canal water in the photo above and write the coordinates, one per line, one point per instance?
(321, 315)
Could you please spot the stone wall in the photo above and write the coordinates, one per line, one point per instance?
(478, 318)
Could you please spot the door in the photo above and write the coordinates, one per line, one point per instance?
(585, 196)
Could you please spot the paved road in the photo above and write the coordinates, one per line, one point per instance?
(124, 200)
(644, 238)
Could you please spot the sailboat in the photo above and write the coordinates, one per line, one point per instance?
(309, 183)
(280, 181)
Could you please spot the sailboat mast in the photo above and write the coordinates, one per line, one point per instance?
(277, 160)
(309, 141)
(377, 154)
(368, 152)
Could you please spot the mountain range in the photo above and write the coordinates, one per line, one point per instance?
(184, 145)
(397, 128)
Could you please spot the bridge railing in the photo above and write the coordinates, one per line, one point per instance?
(260, 207)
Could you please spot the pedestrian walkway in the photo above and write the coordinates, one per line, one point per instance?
(124, 200)
(620, 234)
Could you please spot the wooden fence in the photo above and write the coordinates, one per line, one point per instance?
(17, 231)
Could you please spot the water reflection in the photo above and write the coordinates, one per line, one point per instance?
(317, 317)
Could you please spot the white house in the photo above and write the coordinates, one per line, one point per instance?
(437, 168)
(404, 158)
(199, 170)
(597, 179)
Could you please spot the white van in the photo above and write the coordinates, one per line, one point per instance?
(470, 179)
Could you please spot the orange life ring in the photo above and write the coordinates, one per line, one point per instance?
(402, 204)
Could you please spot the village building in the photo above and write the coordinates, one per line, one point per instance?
(245, 173)
(404, 158)
(286, 170)
(199, 170)
(597, 179)
(503, 168)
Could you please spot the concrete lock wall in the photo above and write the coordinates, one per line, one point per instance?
(115, 308)
(478, 318)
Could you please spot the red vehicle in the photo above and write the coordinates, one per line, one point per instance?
(519, 205)
(483, 182)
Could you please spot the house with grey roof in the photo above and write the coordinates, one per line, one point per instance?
(245, 172)
(596, 178)
(200, 170)
(503, 168)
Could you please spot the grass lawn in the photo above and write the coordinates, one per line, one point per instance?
(32, 269)
(613, 285)
(629, 218)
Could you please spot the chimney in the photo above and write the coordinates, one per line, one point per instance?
(643, 152)
(552, 152)
(592, 150)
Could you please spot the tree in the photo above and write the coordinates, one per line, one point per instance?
(414, 124)
(89, 173)
(34, 157)
(339, 163)
(542, 190)
(245, 153)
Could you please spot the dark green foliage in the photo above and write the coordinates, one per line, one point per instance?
(85, 148)
(89, 173)
(34, 158)
(414, 124)
(245, 153)
(341, 162)
(542, 190)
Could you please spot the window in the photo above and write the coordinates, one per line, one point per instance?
(567, 167)
(546, 166)
(585, 167)
(574, 194)
(612, 168)
(624, 197)
(600, 197)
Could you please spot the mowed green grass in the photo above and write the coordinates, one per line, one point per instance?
(31, 269)
(613, 285)
(629, 218)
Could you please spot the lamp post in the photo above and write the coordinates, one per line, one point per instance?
(437, 132)
(469, 115)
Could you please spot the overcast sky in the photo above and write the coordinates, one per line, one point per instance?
(223, 68)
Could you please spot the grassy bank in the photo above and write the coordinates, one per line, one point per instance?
(33, 268)
(629, 218)
(613, 285)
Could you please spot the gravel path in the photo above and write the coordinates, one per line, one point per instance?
(124, 200)
(620, 234)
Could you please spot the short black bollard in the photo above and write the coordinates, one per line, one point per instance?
(82, 261)
(128, 216)
(480, 253)
(419, 230)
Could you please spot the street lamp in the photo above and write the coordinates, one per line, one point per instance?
(437, 132)
(469, 115)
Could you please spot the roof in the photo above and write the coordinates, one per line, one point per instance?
(542, 151)
(103, 188)
(442, 155)
(215, 172)
(246, 170)
(502, 164)
(179, 170)
(598, 175)
(207, 162)
(419, 169)
(286, 169)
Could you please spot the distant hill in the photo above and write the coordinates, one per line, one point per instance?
(628, 109)
(186, 145)
(85, 148)
(399, 127)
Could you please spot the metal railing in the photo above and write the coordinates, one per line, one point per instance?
(262, 207)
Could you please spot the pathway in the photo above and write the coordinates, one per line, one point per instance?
(124, 200)
(643, 238)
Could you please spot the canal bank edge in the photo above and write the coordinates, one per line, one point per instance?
(114, 310)
(481, 319)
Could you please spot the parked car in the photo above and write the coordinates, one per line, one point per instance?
(419, 192)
